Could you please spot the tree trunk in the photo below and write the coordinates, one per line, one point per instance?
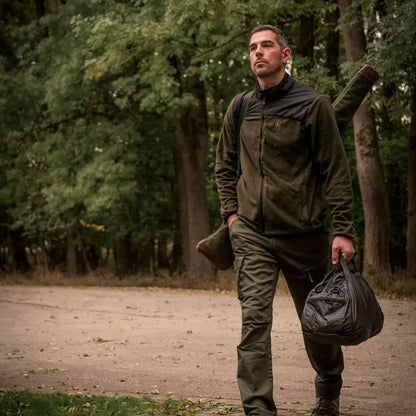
(354, 36)
(44, 255)
(306, 40)
(397, 201)
(411, 184)
(146, 257)
(369, 169)
(162, 254)
(332, 42)
(74, 261)
(191, 144)
(373, 195)
(176, 263)
(394, 185)
(40, 12)
(3, 251)
(18, 250)
(57, 250)
(125, 262)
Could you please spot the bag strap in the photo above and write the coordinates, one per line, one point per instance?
(246, 96)
(239, 111)
(240, 106)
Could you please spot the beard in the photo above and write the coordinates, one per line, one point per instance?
(266, 71)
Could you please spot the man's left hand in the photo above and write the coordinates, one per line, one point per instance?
(342, 245)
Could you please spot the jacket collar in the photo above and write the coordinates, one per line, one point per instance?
(276, 91)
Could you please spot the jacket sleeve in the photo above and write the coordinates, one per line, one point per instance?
(226, 165)
(331, 161)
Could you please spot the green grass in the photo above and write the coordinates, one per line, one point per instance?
(26, 403)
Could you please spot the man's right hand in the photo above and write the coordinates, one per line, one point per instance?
(231, 219)
(342, 246)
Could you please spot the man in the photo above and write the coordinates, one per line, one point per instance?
(293, 196)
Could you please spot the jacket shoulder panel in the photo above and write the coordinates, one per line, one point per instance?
(293, 103)
(297, 101)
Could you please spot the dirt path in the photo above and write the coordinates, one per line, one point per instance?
(182, 344)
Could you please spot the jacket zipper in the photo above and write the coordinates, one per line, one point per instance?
(261, 168)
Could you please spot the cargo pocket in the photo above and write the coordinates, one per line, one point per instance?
(238, 264)
(233, 233)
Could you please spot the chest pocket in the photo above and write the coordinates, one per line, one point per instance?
(286, 146)
(250, 133)
(283, 135)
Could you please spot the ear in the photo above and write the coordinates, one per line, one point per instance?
(286, 54)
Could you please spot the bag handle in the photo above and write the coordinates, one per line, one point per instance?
(344, 264)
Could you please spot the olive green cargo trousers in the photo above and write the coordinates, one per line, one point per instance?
(304, 261)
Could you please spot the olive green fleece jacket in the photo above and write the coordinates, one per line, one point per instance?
(294, 172)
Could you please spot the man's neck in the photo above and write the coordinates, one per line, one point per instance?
(269, 82)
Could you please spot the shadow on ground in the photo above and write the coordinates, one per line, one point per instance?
(283, 412)
(237, 411)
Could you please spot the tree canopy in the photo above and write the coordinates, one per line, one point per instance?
(102, 101)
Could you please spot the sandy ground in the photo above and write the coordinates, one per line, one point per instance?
(181, 343)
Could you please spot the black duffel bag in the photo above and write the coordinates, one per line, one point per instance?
(342, 309)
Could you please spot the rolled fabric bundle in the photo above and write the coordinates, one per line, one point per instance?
(353, 94)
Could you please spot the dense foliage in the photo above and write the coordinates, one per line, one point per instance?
(89, 93)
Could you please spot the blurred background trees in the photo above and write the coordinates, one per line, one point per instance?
(110, 112)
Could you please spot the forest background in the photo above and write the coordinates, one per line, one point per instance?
(110, 112)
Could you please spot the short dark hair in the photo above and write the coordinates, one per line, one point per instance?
(280, 36)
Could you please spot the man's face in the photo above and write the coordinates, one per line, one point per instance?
(267, 59)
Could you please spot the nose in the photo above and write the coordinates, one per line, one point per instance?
(259, 50)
